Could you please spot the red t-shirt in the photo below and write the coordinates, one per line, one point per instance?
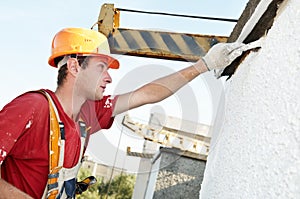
(24, 137)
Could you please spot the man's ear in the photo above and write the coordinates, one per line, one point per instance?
(73, 66)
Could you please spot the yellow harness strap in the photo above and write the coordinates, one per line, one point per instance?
(56, 149)
(57, 174)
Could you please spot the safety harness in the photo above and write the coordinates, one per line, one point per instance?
(61, 181)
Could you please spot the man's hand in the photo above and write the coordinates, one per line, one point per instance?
(222, 54)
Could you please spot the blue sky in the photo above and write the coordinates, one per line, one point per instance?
(27, 29)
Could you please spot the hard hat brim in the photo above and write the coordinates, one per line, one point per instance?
(112, 62)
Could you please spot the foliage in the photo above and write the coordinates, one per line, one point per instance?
(92, 192)
(120, 187)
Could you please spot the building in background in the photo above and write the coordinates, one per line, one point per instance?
(102, 171)
(173, 159)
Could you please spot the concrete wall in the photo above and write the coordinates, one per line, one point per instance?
(256, 153)
(179, 176)
(176, 173)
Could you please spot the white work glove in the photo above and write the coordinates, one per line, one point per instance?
(222, 54)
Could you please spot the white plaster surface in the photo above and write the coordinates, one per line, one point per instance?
(256, 153)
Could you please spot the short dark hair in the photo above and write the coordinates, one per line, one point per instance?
(63, 70)
(83, 61)
(62, 73)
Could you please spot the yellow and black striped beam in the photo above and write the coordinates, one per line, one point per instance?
(141, 155)
(163, 45)
(149, 43)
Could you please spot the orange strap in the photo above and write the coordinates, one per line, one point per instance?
(56, 148)
(54, 138)
(54, 151)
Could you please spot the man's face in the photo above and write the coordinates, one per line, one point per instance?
(93, 79)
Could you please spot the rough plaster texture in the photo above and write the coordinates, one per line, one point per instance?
(256, 154)
(179, 177)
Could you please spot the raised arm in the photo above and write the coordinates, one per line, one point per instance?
(218, 57)
(159, 89)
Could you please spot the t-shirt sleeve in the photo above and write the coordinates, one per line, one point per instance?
(98, 114)
(16, 117)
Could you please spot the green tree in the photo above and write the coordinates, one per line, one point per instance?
(92, 192)
(121, 187)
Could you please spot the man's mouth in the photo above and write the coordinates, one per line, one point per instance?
(103, 87)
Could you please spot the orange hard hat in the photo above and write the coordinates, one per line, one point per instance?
(83, 42)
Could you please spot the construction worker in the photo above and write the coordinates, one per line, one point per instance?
(43, 134)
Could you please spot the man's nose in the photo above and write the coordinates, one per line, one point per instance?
(107, 77)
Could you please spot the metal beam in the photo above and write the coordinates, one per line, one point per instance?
(138, 154)
(162, 45)
(167, 138)
(154, 44)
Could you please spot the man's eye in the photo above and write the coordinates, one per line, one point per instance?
(102, 66)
